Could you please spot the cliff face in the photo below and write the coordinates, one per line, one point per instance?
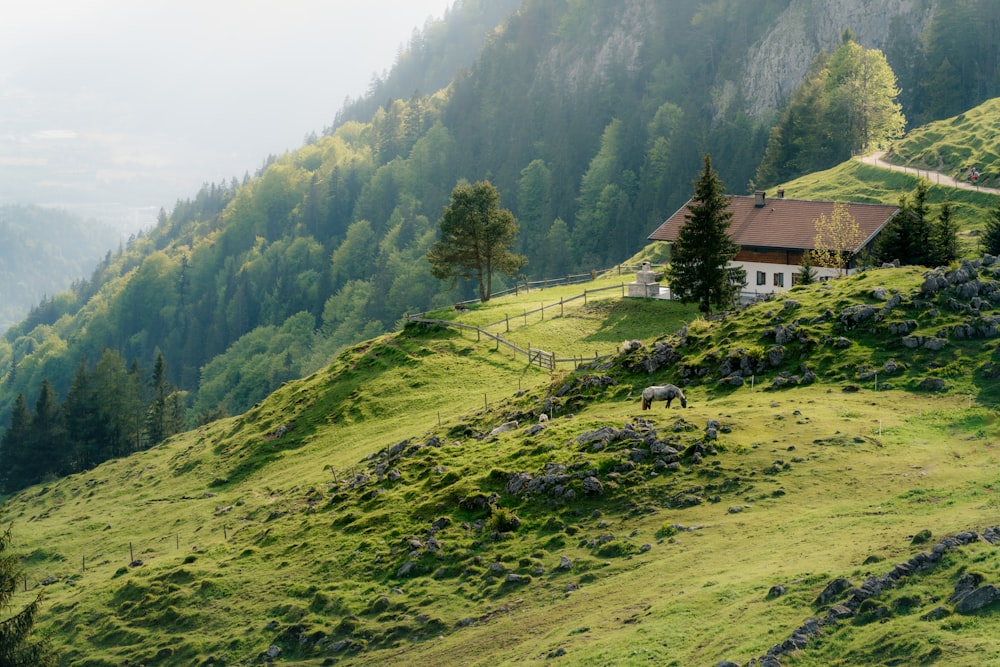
(780, 60)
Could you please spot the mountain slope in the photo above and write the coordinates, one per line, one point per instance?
(374, 513)
(252, 284)
(42, 252)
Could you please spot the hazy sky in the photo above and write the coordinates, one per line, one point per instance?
(135, 103)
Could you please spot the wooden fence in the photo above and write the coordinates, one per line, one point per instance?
(574, 279)
(536, 357)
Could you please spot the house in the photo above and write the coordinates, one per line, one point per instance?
(774, 234)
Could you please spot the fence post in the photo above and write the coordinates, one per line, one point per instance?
(561, 312)
(585, 296)
(506, 318)
(477, 334)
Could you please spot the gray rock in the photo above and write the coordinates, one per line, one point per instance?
(932, 384)
(935, 344)
(935, 614)
(832, 590)
(776, 591)
(592, 486)
(978, 599)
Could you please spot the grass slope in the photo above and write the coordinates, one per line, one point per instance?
(954, 144)
(373, 514)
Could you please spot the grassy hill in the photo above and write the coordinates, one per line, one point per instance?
(408, 505)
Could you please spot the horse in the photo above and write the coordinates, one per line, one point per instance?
(662, 392)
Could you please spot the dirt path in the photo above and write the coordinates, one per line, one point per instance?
(932, 176)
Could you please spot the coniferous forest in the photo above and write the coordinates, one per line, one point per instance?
(591, 119)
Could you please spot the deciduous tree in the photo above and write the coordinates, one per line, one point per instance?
(837, 237)
(476, 237)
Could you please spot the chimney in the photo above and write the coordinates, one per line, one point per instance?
(758, 199)
(781, 193)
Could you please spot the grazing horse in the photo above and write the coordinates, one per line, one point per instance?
(662, 392)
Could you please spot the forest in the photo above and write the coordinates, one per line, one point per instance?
(590, 118)
(42, 252)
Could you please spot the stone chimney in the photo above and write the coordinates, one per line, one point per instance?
(781, 193)
(758, 199)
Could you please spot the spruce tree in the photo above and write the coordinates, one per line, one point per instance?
(807, 270)
(17, 648)
(698, 271)
(944, 236)
(990, 240)
(15, 454)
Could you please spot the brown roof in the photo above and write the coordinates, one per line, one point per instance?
(783, 223)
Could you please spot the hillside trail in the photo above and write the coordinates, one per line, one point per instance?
(933, 176)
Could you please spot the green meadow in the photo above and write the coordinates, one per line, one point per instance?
(409, 504)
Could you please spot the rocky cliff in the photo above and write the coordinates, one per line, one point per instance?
(779, 61)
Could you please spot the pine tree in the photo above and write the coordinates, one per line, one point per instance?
(944, 236)
(807, 271)
(15, 448)
(17, 648)
(50, 451)
(476, 238)
(698, 270)
(990, 240)
(907, 237)
(156, 417)
(81, 419)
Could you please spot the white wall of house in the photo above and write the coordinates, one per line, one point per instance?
(769, 278)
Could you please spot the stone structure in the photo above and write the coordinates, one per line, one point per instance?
(645, 283)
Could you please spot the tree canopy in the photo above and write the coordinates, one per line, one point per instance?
(836, 239)
(699, 259)
(846, 105)
(913, 238)
(476, 238)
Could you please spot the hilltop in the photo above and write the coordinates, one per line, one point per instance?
(408, 503)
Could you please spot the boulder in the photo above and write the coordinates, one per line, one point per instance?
(978, 599)
(832, 590)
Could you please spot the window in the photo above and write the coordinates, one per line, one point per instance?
(779, 279)
(796, 279)
(761, 278)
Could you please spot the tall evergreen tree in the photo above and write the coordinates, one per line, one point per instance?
(15, 453)
(907, 237)
(50, 449)
(81, 419)
(17, 647)
(156, 415)
(990, 240)
(944, 236)
(698, 271)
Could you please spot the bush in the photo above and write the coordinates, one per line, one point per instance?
(502, 520)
